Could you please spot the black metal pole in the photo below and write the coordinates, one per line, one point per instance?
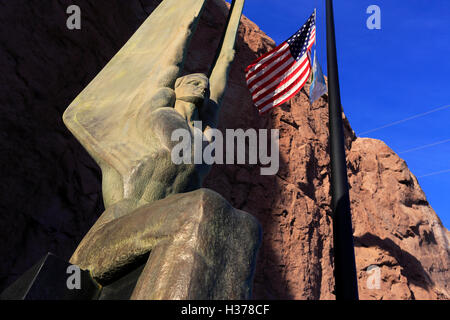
(346, 285)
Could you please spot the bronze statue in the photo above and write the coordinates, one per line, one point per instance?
(200, 247)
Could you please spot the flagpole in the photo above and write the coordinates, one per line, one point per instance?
(346, 285)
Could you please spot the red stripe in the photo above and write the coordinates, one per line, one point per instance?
(270, 70)
(265, 64)
(280, 73)
(276, 55)
(312, 43)
(263, 56)
(266, 83)
(280, 94)
(275, 77)
(313, 35)
(288, 98)
(293, 74)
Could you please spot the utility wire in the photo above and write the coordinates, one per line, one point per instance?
(434, 173)
(405, 120)
(425, 146)
(419, 115)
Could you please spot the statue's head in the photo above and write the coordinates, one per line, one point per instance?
(192, 88)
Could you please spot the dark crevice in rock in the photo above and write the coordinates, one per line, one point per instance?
(412, 268)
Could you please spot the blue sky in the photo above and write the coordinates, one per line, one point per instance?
(386, 75)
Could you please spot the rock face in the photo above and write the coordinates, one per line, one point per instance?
(51, 191)
(395, 227)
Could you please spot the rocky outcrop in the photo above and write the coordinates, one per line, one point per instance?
(395, 227)
(51, 191)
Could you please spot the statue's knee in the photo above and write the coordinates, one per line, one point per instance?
(223, 219)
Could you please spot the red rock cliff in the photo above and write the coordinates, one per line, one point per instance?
(394, 226)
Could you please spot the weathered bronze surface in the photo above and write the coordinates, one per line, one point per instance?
(200, 247)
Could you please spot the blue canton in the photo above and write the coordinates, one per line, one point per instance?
(298, 43)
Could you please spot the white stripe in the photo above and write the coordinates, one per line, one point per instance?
(311, 41)
(277, 60)
(313, 32)
(274, 103)
(313, 37)
(272, 74)
(268, 57)
(282, 78)
(256, 75)
(284, 86)
(294, 89)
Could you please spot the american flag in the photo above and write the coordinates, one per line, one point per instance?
(280, 74)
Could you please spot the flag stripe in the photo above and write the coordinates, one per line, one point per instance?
(282, 89)
(267, 56)
(287, 97)
(313, 39)
(269, 69)
(272, 82)
(273, 77)
(276, 58)
(271, 72)
(263, 91)
(278, 75)
(287, 88)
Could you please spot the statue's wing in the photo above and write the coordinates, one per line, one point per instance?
(103, 116)
(221, 67)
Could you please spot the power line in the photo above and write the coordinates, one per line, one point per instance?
(434, 173)
(425, 146)
(406, 119)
